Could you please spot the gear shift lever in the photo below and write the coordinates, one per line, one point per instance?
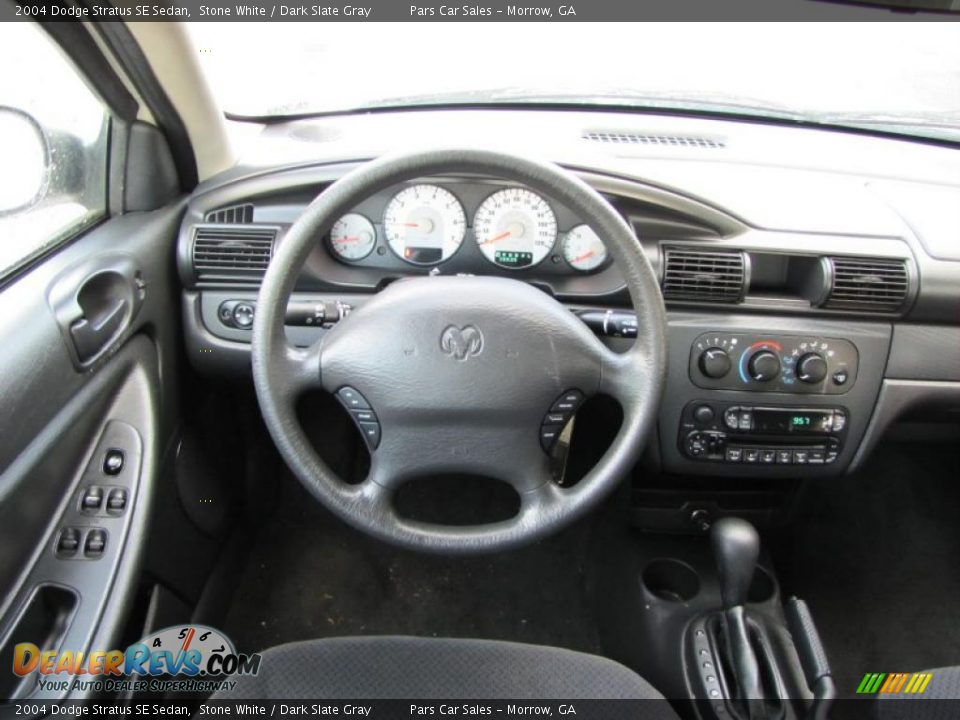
(736, 547)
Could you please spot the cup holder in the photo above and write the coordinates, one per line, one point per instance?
(762, 586)
(671, 580)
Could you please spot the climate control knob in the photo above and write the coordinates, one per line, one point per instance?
(763, 365)
(714, 362)
(811, 368)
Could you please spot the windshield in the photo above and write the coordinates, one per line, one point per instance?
(896, 77)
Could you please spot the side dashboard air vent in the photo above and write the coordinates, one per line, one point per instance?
(703, 275)
(633, 138)
(232, 215)
(232, 252)
(871, 284)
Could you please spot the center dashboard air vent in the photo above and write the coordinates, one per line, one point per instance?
(871, 284)
(232, 252)
(703, 275)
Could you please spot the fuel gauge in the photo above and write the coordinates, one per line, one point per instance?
(352, 237)
(584, 249)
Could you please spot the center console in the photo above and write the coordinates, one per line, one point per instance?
(751, 402)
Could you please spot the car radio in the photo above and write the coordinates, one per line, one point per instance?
(764, 435)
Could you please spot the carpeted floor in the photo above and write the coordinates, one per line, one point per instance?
(311, 576)
(876, 557)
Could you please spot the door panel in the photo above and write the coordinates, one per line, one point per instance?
(63, 409)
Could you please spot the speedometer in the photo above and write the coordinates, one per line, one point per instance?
(424, 224)
(515, 228)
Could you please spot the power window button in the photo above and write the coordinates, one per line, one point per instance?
(92, 498)
(117, 500)
(113, 462)
(69, 541)
(95, 543)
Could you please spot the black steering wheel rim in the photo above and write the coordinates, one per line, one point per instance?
(635, 378)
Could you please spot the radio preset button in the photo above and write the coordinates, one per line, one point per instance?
(800, 457)
(784, 457)
(768, 457)
(734, 454)
(751, 455)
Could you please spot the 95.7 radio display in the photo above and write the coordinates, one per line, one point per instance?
(799, 421)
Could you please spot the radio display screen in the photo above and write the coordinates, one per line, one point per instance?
(787, 421)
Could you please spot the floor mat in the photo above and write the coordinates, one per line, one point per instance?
(876, 557)
(311, 576)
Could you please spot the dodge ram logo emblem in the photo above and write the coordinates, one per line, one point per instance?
(461, 343)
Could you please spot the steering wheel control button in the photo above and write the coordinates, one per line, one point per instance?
(568, 402)
(69, 541)
(95, 543)
(556, 418)
(352, 399)
(92, 498)
(549, 435)
(364, 416)
(113, 462)
(117, 500)
(371, 433)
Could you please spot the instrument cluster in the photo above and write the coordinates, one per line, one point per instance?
(426, 224)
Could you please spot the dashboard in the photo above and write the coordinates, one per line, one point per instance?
(811, 302)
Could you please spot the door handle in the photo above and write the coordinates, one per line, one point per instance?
(91, 335)
(95, 302)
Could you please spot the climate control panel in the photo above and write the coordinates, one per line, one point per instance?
(773, 363)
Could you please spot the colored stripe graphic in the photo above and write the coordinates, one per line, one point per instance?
(894, 683)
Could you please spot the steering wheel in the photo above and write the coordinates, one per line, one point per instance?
(460, 372)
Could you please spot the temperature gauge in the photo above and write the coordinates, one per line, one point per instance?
(352, 237)
(584, 249)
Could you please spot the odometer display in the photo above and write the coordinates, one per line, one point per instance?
(515, 228)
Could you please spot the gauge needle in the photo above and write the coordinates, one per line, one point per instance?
(350, 239)
(585, 256)
(412, 225)
(498, 238)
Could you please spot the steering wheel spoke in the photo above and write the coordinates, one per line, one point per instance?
(297, 369)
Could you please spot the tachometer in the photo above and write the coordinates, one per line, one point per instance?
(515, 228)
(584, 249)
(424, 224)
(352, 237)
